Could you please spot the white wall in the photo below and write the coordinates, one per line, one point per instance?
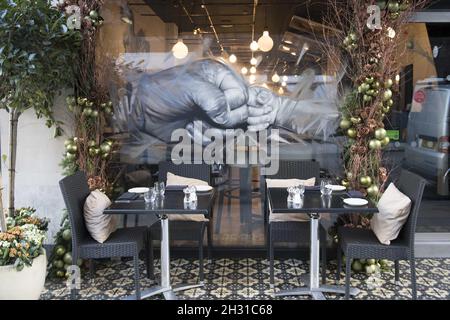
(38, 170)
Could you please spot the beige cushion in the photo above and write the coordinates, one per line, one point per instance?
(285, 183)
(99, 225)
(174, 180)
(393, 211)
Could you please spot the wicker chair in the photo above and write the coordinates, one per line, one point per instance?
(121, 243)
(357, 243)
(188, 230)
(293, 231)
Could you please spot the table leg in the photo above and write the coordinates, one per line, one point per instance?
(245, 201)
(165, 286)
(315, 290)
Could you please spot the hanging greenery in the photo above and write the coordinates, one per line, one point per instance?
(371, 55)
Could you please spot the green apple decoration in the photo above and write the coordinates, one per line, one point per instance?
(380, 133)
(345, 124)
(365, 180)
(351, 133)
(385, 141)
(374, 144)
(372, 191)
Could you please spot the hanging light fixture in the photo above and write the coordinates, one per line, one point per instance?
(275, 77)
(244, 70)
(254, 46)
(180, 50)
(265, 42)
(232, 58)
(253, 70)
(252, 78)
(253, 61)
(284, 84)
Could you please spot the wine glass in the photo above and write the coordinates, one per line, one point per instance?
(325, 187)
(162, 189)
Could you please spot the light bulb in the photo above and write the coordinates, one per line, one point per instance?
(244, 70)
(253, 61)
(253, 70)
(265, 43)
(254, 46)
(232, 58)
(397, 78)
(180, 50)
(285, 78)
(275, 77)
(252, 78)
(281, 90)
(284, 84)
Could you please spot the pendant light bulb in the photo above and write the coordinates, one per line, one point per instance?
(252, 78)
(244, 70)
(253, 70)
(180, 50)
(265, 42)
(275, 78)
(253, 61)
(232, 58)
(254, 46)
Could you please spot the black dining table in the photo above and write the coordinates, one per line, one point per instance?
(171, 203)
(314, 203)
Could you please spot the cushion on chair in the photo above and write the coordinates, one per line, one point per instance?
(285, 183)
(174, 180)
(393, 211)
(99, 225)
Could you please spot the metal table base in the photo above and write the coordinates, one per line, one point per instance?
(164, 287)
(315, 290)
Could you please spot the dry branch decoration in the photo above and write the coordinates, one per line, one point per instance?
(371, 59)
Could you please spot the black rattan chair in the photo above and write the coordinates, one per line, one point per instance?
(357, 243)
(293, 231)
(121, 243)
(188, 230)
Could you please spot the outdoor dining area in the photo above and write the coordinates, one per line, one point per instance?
(182, 207)
(258, 150)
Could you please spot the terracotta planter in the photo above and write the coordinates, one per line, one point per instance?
(26, 284)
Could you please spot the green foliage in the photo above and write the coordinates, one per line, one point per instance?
(37, 56)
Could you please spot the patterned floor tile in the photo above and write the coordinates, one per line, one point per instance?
(249, 279)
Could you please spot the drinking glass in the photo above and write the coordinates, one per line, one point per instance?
(193, 192)
(156, 186)
(291, 193)
(162, 189)
(325, 188)
(187, 195)
(301, 188)
(150, 195)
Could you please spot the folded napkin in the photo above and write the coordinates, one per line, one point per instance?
(355, 194)
(127, 196)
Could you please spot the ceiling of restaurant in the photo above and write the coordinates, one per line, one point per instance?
(237, 22)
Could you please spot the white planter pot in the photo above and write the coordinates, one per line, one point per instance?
(26, 284)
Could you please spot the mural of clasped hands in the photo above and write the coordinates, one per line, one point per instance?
(210, 92)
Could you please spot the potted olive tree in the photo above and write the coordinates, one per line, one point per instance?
(37, 56)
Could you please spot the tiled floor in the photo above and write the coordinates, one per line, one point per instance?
(249, 279)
